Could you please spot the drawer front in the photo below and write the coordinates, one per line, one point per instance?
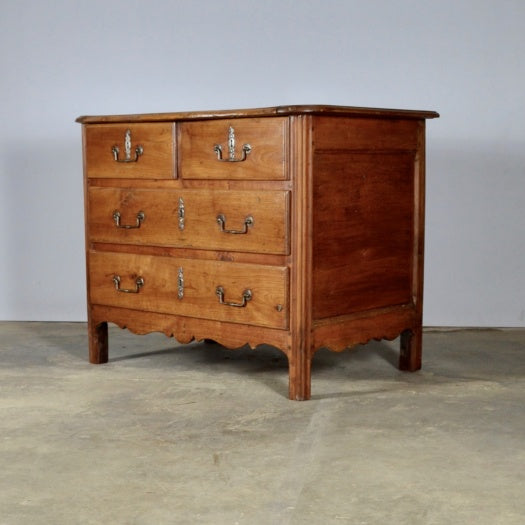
(250, 148)
(222, 291)
(209, 220)
(137, 151)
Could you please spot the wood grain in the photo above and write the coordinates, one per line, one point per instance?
(339, 333)
(156, 162)
(300, 358)
(269, 210)
(267, 138)
(345, 133)
(309, 109)
(363, 231)
(334, 257)
(188, 329)
(268, 284)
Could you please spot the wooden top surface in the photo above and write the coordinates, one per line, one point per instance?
(342, 111)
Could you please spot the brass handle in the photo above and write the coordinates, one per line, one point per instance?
(140, 218)
(139, 283)
(248, 222)
(139, 150)
(246, 296)
(246, 148)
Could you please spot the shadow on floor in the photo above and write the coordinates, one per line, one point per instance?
(448, 357)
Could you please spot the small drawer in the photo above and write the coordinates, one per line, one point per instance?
(247, 148)
(222, 220)
(133, 151)
(221, 291)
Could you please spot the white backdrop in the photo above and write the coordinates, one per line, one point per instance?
(463, 58)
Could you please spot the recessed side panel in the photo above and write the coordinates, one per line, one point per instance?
(363, 230)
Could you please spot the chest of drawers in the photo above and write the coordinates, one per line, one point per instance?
(300, 227)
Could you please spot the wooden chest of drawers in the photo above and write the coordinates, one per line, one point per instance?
(300, 227)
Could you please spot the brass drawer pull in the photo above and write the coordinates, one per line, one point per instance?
(248, 222)
(246, 296)
(139, 150)
(139, 283)
(140, 219)
(246, 148)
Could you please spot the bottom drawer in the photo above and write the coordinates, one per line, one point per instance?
(222, 291)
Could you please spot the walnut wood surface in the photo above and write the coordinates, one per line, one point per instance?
(338, 333)
(156, 161)
(268, 284)
(267, 139)
(184, 329)
(315, 109)
(363, 231)
(269, 210)
(335, 255)
(358, 133)
(301, 353)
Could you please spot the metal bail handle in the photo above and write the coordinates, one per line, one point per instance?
(221, 221)
(246, 149)
(139, 150)
(140, 219)
(139, 283)
(246, 296)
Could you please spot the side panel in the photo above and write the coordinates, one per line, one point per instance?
(364, 219)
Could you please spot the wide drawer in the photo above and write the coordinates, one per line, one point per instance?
(202, 219)
(248, 148)
(222, 291)
(144, 151)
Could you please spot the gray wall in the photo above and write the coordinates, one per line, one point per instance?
(464, 58)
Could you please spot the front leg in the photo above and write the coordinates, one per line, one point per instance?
(299, 373)
(98, 342)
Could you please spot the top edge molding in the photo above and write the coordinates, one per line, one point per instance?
(341, 111)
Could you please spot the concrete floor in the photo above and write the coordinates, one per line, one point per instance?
(167, 434)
